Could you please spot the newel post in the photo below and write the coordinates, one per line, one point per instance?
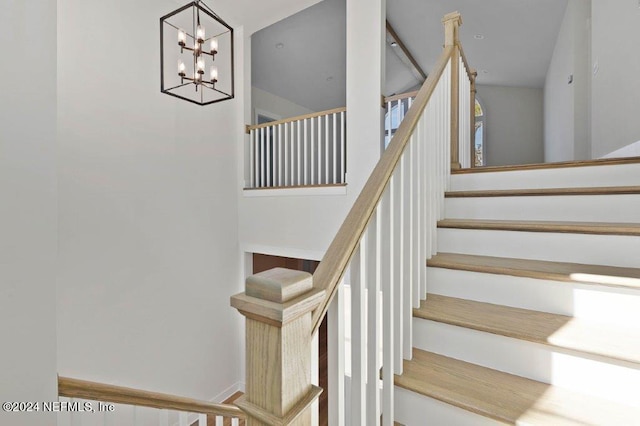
(452, 22)
(474, 74)
(278, 305)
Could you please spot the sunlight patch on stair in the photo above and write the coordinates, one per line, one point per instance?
(606, 279)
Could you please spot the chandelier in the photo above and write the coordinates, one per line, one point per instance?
(196, 55)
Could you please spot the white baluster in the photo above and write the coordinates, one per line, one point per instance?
(164, 418)
(388, 124)
(219, 421)
(235, 421)
(318, 178)
(373, 316)
(183, 418)
(415, 156)
(252, 158)
(269, 153)
(336, 357)
(326, 149)
(313, 152)
(388, 303)
(335, 148)
(285, 165)
(343, 149)
(397, 280)
(202, 419)
(407, 248)
(289, 144)
(358, 336)
(305, 155)
(299, 152)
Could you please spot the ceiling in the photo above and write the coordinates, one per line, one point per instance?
(303, 57)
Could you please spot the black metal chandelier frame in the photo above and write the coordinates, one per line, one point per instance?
(198, 50)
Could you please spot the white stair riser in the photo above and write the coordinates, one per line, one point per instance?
(614, 250)
(596, 302)
(571, 177)
(608, 380)
(577, 208)
(413, 409)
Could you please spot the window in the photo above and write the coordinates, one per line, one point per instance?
(479, 152)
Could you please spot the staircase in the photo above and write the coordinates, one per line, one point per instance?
(533, 308)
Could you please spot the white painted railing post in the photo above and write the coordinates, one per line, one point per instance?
(277, 305)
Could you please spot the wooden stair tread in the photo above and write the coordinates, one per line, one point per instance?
(505, 397)
(602, 190)
(556, 165)
(601, 228)
(560, 331)
(612, 276)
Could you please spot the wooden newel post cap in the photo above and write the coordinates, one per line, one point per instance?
(278, 296)
(453, 18)
(452, 21)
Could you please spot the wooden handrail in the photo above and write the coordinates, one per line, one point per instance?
(250, 127)
(466, 63)
(401, 96)
(75, 388)
(340, 252)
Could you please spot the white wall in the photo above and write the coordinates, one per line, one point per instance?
(148, 223)
(616, 86)
(566, 105)
(514, 124)
(303, 226)
(28, 207)
(280, 107)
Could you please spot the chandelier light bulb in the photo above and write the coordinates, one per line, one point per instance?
(181, 68)
(214, 46)
(200, 34)
(214, 74)
(200, 66)
(182, 38)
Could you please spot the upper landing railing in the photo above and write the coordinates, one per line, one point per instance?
(381, 251)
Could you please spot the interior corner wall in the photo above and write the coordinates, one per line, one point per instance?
(28, 208)
(308, 223)
(566, 90)
(514, 124)
(616, 86)
(280, 107)
(148, 214)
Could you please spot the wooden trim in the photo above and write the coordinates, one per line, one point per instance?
(401, 96)
(594, 228)
(466, 63)
(545, 192)
(405, 50)
(270, 419)
(296, 118)
(339, 253)
(472, 130)
(324, 185)
(452, 22)
(610, 276)
(455, 109)
(558, 165)
(75, 388)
